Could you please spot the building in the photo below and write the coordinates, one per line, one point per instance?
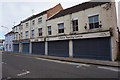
(119, 15)
(8, 45)
(2, 44)
(87, 30)
(34, 27)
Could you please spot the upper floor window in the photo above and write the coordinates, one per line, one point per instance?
(93, 22)
(16, 28)
(21, 27)
(49, 30)
(75, 25)
(21, 35)
(9, 46)
(40, 31)
(26, 34)
(15, 37)
(33, 22)
(40, 20)
(27, 24)
(13, 29)
(32, 33)
(61, 28)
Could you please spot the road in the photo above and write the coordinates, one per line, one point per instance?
(17, 66)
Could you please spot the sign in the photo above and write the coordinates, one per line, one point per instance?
(80, 36)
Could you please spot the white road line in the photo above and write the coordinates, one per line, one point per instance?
(24, 73)
(78, 64)
(109, 68)
(8, 77)
(4, 63)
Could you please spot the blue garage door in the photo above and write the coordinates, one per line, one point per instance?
(25, 48)
(16, 48)
(38, 48)
(58, 48)
(97, 48)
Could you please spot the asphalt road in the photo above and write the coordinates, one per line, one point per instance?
(17, 66)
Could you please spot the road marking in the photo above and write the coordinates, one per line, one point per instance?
(78, 64)
(4, 63)
(109, 68)
(24, 73)
(8, 77)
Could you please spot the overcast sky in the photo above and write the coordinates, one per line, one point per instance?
(13, 11)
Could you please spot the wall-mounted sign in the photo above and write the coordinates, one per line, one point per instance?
(80, 36)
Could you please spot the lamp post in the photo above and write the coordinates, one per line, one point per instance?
(6, 28)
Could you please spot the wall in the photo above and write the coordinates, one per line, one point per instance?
(104, 17)
(8, 41)
(53, 10)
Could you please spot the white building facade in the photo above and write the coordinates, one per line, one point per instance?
(8, 45)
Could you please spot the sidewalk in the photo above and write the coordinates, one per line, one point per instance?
(76, 60)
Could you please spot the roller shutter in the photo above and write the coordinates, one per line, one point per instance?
(97, 48)
(16, 48)
(38, 48)
(58, 48)
(25, 48)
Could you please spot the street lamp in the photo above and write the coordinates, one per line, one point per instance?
(6, 28)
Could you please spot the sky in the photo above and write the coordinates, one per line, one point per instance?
(14, 11)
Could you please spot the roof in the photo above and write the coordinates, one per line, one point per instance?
(34, 16)
(39, 14)
(11, 32)
(77, 8)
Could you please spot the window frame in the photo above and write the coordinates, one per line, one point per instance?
(26, 34)
(33, 33)
(40, 32)
(21, 35)
(33, 22)
(49, 30)
(27, 24)
(75, 25)
(93, 22)
(39, 20)
(60, 29)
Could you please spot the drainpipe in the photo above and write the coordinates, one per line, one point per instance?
(70, 41)
(30, 46)
(46, 43)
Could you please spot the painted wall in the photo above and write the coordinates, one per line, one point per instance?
(104, 18)
(9, 42)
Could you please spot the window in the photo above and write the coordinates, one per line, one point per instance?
(94, 22)
(26, 34)
(21, 26)
(15, 37)
(13, 29)
(16, 28)
(33, 22)
(61, 28)
(26, 24)
(40, 20)
(40, 31)
(9, 46)
(21, 35)
(49, 30)
(32, 33)
(75, 25)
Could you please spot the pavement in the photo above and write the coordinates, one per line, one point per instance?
(19, 66)
(76, 60)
